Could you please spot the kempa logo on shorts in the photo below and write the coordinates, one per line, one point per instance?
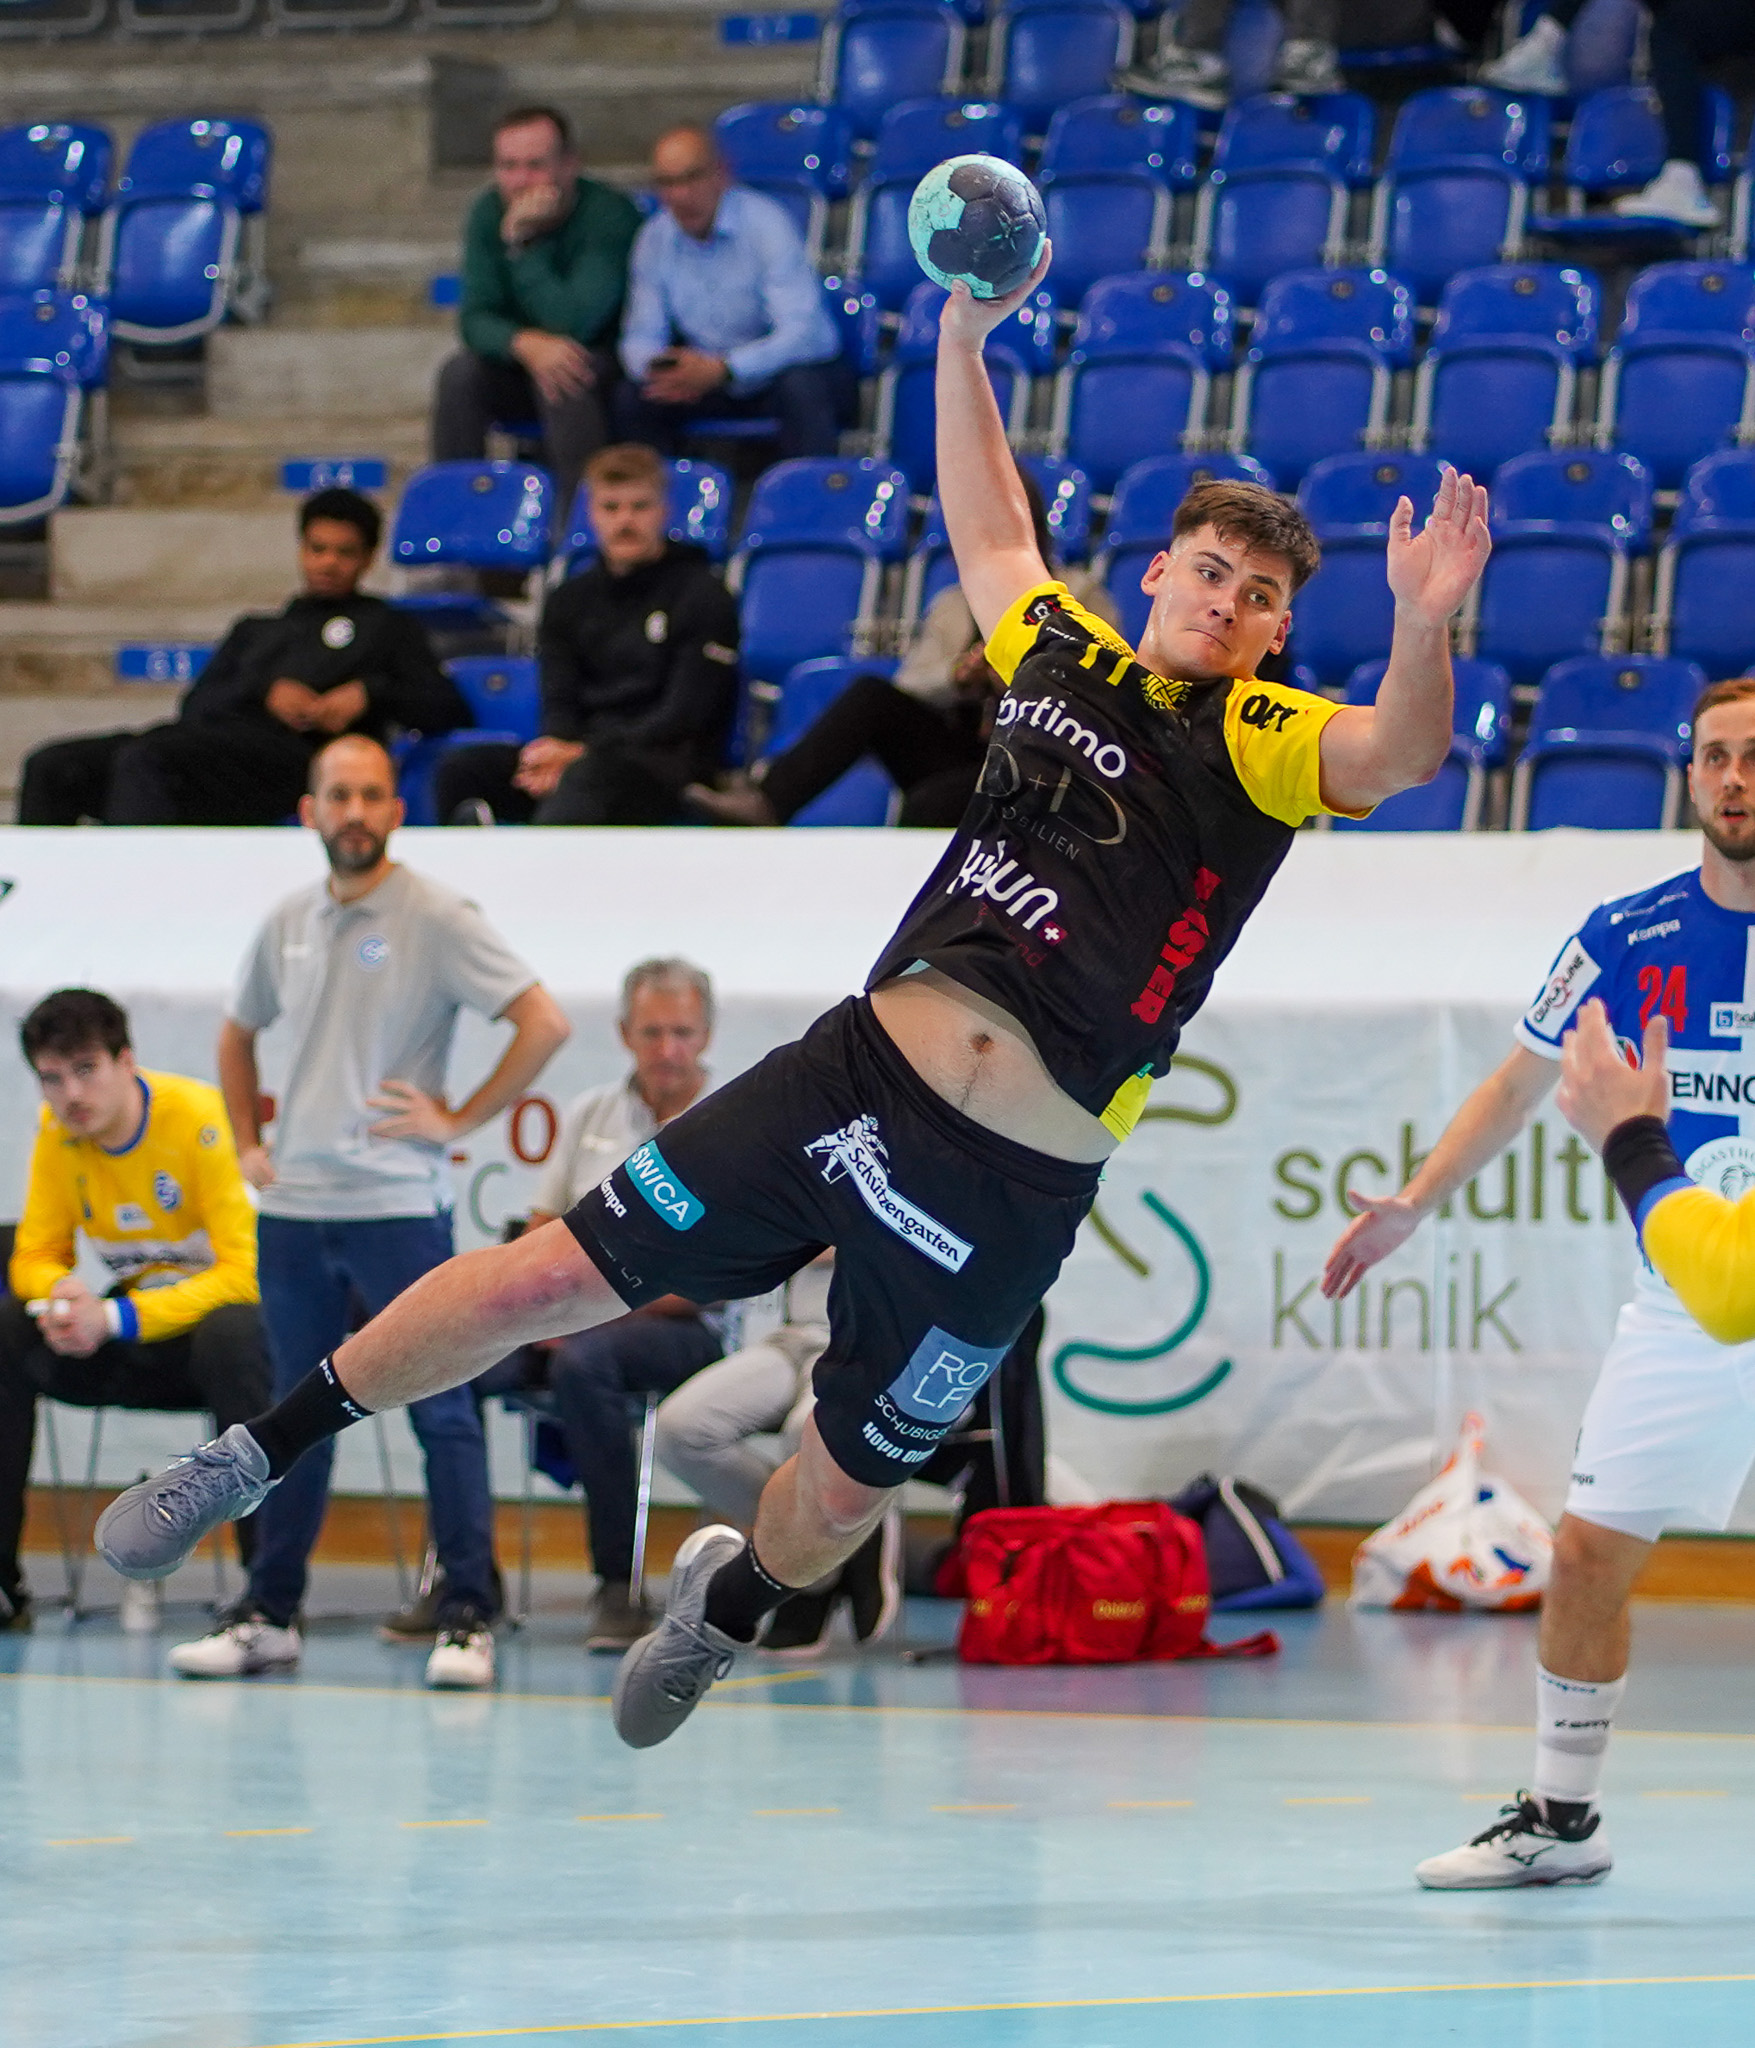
(611, 1200)
(1572, 976)
(651, 1173)
(857, 1151)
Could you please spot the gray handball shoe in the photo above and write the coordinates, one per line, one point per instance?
(147, 1532)
(665, 1676)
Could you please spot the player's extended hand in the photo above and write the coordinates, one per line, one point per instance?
(1430, 573)
(1387, 1224)
(968, 320)
(1598, 1088)
(413, 1114)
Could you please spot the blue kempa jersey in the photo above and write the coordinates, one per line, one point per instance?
(1671, 949)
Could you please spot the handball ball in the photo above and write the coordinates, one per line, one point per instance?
(979, 219)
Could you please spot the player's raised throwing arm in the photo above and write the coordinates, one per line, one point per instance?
(1403, 738)
(986, 514)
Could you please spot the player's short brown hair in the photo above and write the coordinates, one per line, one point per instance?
(628, 462)
(1732, 691)
(1258, 517)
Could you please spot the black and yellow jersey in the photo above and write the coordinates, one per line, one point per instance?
(1702, 1242)
(1124, 827)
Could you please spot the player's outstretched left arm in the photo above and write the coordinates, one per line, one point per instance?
(1401, 740)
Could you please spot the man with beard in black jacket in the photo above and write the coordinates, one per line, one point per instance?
(275, 691)
(639, 675)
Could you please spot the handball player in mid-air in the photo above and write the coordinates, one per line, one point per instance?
(944, 1130)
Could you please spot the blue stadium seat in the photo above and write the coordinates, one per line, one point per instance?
(1501, 372)
(504, 692)
(1680, 379)
(1111, 132)
(907, 416)
(1041, 56)
(808, 569)
(801, 156)
(859, 320)
(1703, 608)
(1565, 524)
(54, 351)
(1607, 745)
(1480, 728)
(864, 794)
(915, 136)
(1344, 615)
(878, 52)
(700, 513)
(54, 177)
(471, 515)
(1140, 517)
(173, 252)
(1614, 145)
(1142, 361)
(1455, 188)
(1066, 496)
(1102, 223)
(1317, 380)
(1278, 197)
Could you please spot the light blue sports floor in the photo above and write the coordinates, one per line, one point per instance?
(861, 1853)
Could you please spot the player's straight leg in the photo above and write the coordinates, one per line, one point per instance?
(451, 1324)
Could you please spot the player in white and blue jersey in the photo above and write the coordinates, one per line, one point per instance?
(1668, 1436)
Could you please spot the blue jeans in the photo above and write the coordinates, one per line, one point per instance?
(310, 1274)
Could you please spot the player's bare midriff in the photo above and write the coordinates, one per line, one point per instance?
(983, 1062)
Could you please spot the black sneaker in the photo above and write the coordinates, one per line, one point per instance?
(418, 1622)
(616, 1621)
(872, 1580)
(17, 1617)
(799, 1625)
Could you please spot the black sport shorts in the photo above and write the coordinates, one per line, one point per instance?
(946, 1236)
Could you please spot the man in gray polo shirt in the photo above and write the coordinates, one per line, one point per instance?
(365, 973)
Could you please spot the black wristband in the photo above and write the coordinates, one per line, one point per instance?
(1638, 1155)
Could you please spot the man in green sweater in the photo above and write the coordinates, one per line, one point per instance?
(545, 264)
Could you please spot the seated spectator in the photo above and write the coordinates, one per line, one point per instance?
(144, 1165)
(928, 729)
(275, 692)
(1536, 62)
(1189, 64)
(1687, 36)
(666, 1023)
(726, 317)
(639, 675)
(545, 267)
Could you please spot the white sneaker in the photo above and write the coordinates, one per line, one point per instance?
(463, 1657)
(143, 1603)
(238, 1650)
(1520, 1848)
(1676, 194)
(1307, 66)
(1201, 77)
(1534, 63)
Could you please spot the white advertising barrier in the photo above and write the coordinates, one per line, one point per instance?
(1376, 985)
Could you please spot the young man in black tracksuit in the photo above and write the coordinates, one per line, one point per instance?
(276, 690)
(639, 675)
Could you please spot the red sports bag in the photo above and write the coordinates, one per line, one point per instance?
(1120, 1583)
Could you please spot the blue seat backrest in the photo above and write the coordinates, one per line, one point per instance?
(1551, 300)
(1633, 693)
(1332, 131)
(893, 50)
(1691, 298)
(1061, 50)
(60, 336)
(1481, 711)
(820, 501)
(480, 514)
(1615, 141)
(1066, 497)
(1357, 491)
(916, 134)
(200, 159)
(1576, 487)
(1468, 124)
(60, 162)
(1148, 495)
(859, 322)
(1156, 313)
(777, 141)
(1337, 305)
(503, 690)
(1025, 338)
(1110, 132)
(1718, 491)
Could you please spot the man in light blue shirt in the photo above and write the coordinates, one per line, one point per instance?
(726, 317)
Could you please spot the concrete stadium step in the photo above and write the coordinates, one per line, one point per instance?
(32, 721)
(123, 556)
(69, 650)
(207, 463)
(332, 373)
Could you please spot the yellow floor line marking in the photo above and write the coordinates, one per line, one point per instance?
(972, 1807)
(1121, 1804)
(618, 1816)
(915, 2012)
(1333, 1799)
(442, 1823)
(1666, 1792)
(90, 1841)
(791, 1812)
(239, 1834)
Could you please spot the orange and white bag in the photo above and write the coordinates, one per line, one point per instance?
(1466, 1540)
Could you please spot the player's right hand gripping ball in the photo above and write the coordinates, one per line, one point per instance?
(979, 219)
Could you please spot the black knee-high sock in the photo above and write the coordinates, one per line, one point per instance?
(317, 1407)
(741, 1595)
